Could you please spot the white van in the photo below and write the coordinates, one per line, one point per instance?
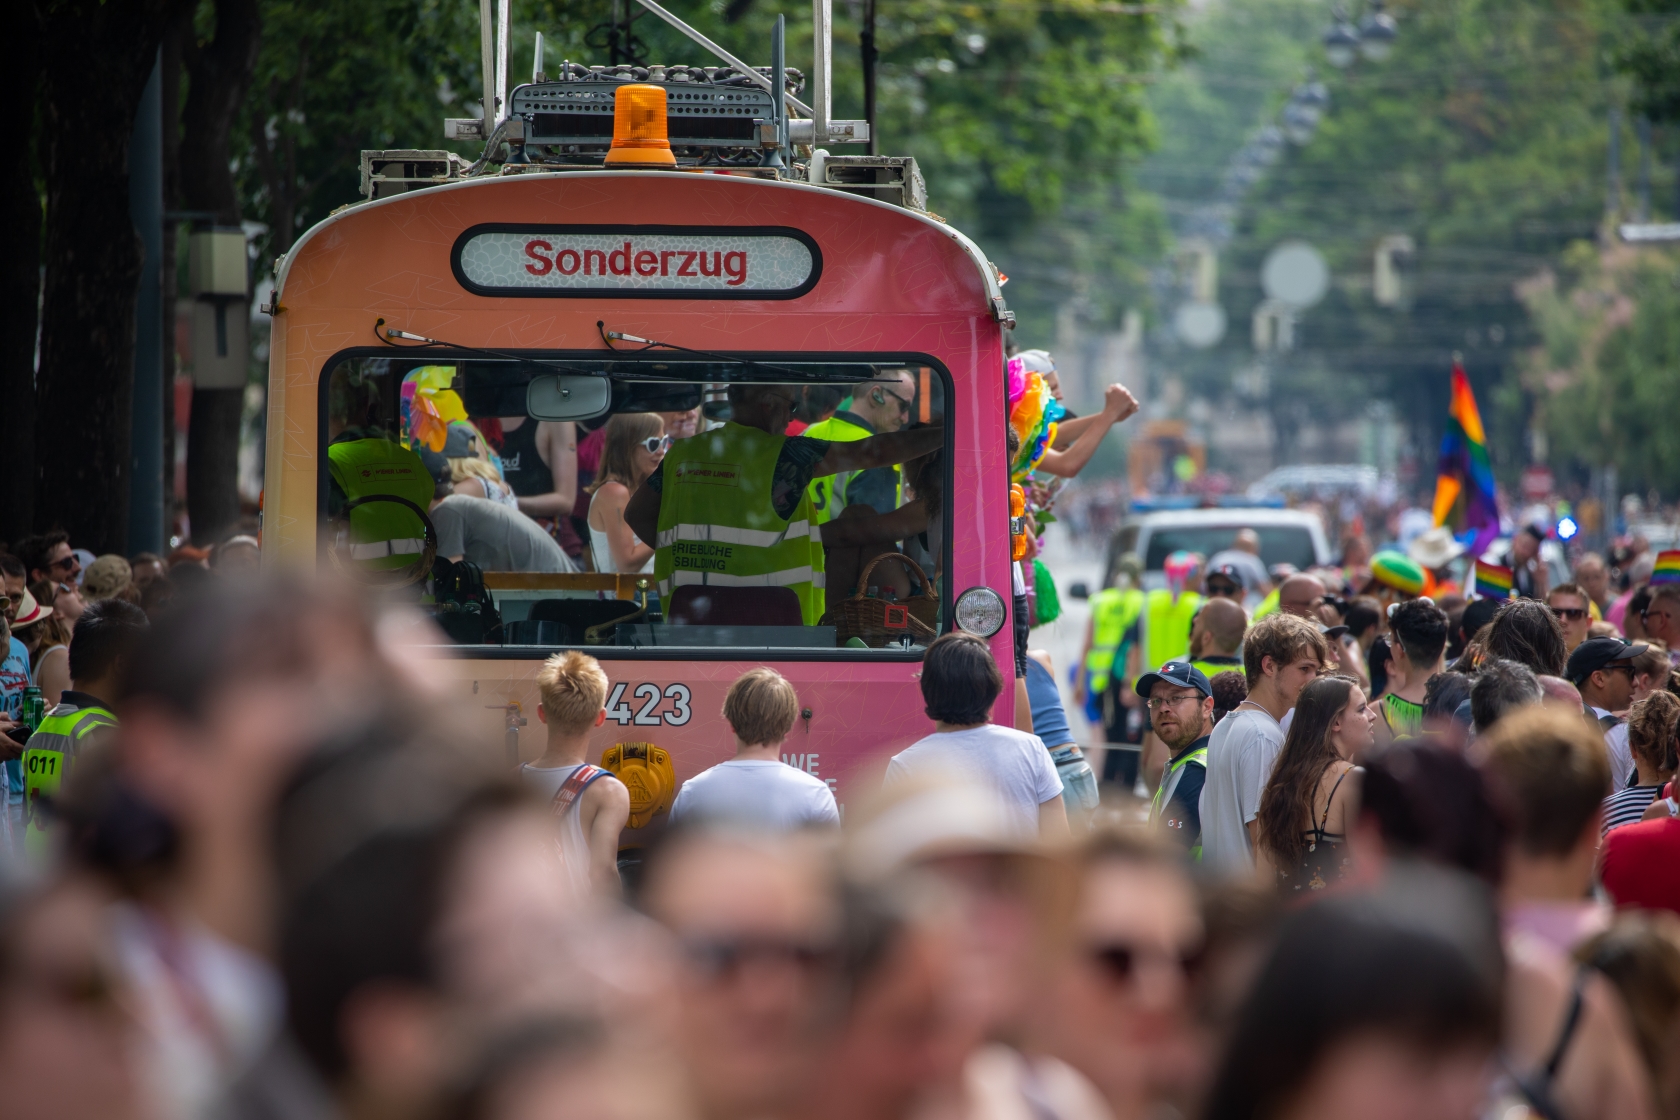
(1287, 536)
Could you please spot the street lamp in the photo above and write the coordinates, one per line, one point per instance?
(1377, 33)
(1341, 42)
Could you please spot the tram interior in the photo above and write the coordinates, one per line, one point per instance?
(539, 597)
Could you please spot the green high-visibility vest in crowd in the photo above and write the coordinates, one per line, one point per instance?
(48, 757)
(718, 525)
(1169, 784)
(1166, 627)
(1113, 613)
(382, 534)
(829, 494)
(1210, 668)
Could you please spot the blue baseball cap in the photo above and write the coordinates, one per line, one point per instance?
(1181, 673)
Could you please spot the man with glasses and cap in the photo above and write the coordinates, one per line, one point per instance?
(1224, 581)
(882, 404)
(1601, 669)
(1180, 702)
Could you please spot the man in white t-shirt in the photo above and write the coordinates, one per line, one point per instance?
(590, 805)
(756, 787)
(1282, 654)
(960, 683)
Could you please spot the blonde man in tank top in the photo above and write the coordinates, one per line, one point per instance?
(590, 805)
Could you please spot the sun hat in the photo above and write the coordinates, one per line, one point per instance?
(30, 612)
(1397, 570)
(1436, 548)
(106, 577)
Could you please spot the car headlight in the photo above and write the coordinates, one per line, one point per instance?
(981, 612)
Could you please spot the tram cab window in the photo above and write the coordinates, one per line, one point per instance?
(724, 505)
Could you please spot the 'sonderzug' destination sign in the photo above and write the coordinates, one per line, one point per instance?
(652, 262)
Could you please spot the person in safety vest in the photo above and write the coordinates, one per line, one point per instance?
(1167, 614)
(1164, 635)
(880, 405)
(389, 534)
(730, 507)
(1180, 703)
(1114, 612)
(1216, 637)
(82, 720)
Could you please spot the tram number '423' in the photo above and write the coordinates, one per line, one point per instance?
(648, 714)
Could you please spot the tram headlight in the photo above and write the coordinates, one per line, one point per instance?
(981, 611)
(639, 128)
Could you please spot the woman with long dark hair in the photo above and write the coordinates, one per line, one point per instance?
(635, 443)
(1308, 803)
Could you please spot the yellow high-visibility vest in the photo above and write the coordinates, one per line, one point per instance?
(1166, 627)
(1113, 613)
(719, 527)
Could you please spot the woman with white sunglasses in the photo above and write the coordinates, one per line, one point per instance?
(635, 444)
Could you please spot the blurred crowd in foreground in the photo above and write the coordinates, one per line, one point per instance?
(281, 881)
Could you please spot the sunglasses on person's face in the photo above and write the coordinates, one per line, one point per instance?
(68, 563)
(1223, 589)
(904, 404)
(1569, 614)
(1121, 960)
(657, 445)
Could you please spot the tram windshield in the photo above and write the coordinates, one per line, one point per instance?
(643, 503)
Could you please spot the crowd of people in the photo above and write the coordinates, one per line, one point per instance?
(279, 879)
(1367, 840)
(1378, 710)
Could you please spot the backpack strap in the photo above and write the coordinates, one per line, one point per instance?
(572, 789)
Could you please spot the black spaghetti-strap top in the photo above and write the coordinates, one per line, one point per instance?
(522, 465)
(1325, 860)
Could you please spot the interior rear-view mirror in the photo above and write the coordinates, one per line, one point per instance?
(565, 396)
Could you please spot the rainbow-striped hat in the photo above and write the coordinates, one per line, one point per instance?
(1493, 581)
(1667, 567)
(1397, 570)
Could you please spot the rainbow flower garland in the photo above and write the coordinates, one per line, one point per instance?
(1033, 414)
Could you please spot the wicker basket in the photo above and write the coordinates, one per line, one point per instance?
(877, 621)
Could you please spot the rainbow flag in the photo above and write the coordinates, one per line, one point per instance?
(1492, 581)
(1667, 569)
(1464, 494)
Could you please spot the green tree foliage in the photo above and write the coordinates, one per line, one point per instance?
(1651, 56)
(1607, 370)
(1482, 137)
(1024, 115)
(335, 78)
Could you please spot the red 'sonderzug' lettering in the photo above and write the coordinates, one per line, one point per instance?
(627, 260)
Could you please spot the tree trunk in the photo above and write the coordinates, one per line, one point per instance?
(218, 76)
(96, 59)
(20, 285)
(172, 42)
